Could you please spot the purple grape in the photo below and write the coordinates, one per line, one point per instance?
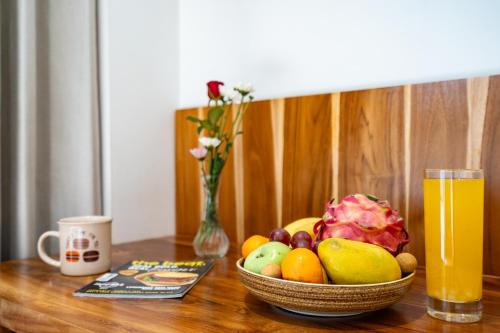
(302, 243)
(280, 235)
(315, 246)
(300, 236)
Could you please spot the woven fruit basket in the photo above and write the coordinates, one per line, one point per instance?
(324, 299)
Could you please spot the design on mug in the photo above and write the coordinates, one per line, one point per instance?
(80, 239)
(90, 256)
(72, 256)
(81, 243)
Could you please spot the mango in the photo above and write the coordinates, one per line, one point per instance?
(353, 262)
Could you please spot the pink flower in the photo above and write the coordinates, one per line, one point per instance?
(199, 153)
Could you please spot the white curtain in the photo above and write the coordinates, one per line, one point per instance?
(49, 134)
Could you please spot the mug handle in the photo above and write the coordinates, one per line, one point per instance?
(41, 250)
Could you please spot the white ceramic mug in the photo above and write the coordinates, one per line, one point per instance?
(84, 245)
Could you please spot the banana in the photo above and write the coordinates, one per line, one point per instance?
(305, 224)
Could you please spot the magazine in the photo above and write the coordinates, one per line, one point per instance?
(148, 279)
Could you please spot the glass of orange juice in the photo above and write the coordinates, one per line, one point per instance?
(453, 209)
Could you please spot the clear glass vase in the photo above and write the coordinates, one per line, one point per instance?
(211, 241)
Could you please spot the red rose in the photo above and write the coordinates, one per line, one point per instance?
(213, 89)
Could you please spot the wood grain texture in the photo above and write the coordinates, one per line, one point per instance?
(407, 149)
(227, 200)
(307, 164)
(335, 119)
(371, 150)
(278, 119)
(187, 181)
(259, 173)
(239, 194)
(36, 298)
(227, 197)
(477, 95)
(491, 166)
(298, 152)
(439, 127)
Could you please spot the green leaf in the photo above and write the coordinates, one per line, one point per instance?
(215, 114)
(238, 133)
(207, 125)
(229, 145)
(199, 129)
(193, 119)
(372, 197)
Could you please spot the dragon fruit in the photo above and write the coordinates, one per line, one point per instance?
(366, 219)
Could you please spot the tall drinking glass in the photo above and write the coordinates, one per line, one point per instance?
(453, 205)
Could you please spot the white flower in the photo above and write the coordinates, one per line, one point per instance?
(244, 88)
(199, 153)
(228, 92)
(209, 142)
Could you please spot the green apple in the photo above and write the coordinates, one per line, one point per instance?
(271, 252)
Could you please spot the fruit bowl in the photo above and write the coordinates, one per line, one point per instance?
(330, 300)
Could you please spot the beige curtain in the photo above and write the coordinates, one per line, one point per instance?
(49, 134)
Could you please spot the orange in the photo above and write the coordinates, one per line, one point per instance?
(302, 265)
(252, 243)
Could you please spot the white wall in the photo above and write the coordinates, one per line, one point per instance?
(299, 47)
(157, 55)
(139, 60)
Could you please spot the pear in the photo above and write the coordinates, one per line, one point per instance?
(271, 252)
(353, 262)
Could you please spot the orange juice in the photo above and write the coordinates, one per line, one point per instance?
(454, 238)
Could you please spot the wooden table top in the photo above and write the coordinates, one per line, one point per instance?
(34, 297)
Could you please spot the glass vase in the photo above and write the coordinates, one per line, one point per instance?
(211, 241)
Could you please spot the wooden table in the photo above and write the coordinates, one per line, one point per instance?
(34, 297)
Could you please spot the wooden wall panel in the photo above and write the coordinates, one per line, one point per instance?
(491, 164)
(439, 126)
(187, 175)
(227, 198)
(297, 153)
(371, 148)
(307, 157)
(260, 195)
